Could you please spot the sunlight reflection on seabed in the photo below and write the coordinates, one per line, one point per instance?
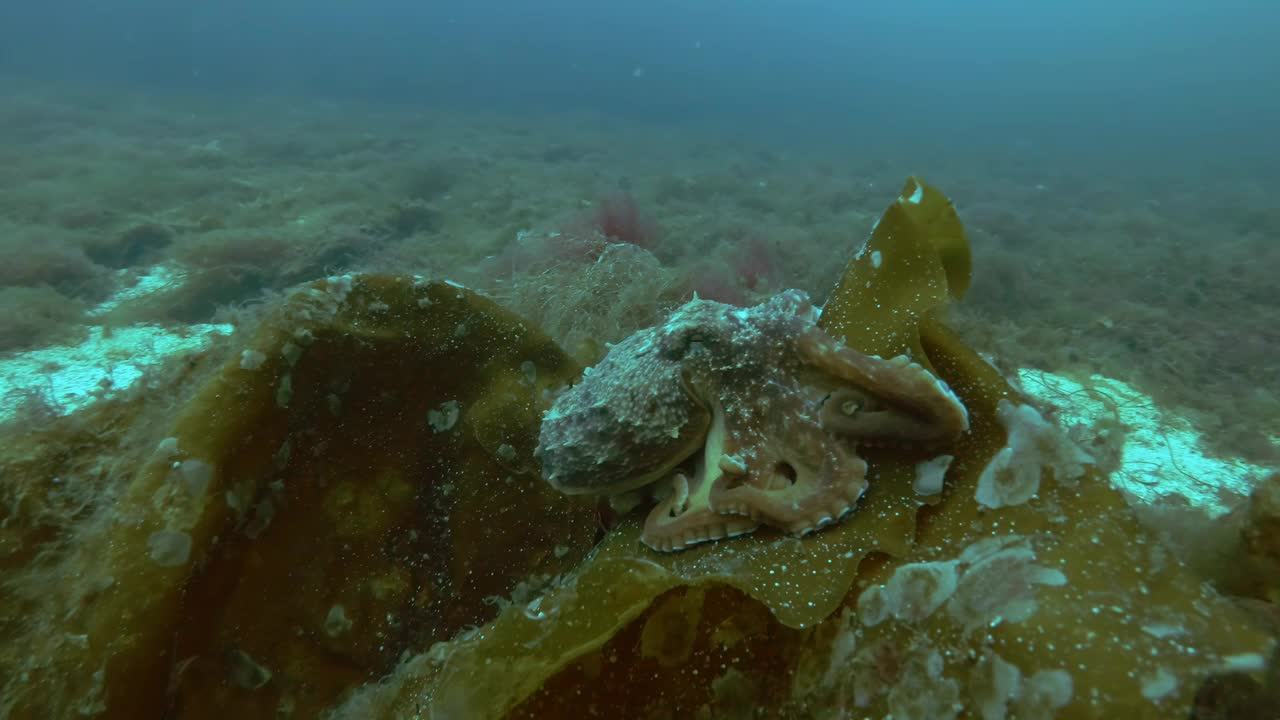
(1159, 454)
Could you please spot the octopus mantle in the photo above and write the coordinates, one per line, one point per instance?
(739, 418)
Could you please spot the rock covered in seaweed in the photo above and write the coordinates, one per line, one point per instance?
(389, 525)
(1062, 605)
(351, 484)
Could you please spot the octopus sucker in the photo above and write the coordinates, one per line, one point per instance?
(686, 517)
(740, 417)
(895, 399)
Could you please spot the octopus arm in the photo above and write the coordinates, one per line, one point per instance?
(878, 401)
(798, 477)
(686, 516)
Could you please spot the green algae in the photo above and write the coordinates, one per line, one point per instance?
(916, 260)
(328, 525)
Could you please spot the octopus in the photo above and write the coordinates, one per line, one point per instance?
(736, 418)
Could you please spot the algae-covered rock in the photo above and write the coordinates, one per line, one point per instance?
(1257, 574)
(1055, 604)
(321, 525)
(354, 485)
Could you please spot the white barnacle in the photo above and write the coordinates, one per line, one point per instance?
(169, 548)
(251, 359)
(533, 610)
(337, 622)
(930, 475)
(192, 475)
(167, 448)
(1159, 684)
(444, 417)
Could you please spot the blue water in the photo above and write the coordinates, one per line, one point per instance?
(169, 170)
(1133, 80)
(1129, 142)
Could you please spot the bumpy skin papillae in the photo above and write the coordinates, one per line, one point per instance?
(628, 422)
(770, 408)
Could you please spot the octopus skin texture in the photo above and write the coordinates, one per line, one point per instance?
(739, 417)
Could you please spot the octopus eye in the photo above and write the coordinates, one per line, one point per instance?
(679, 345)
(849, 402)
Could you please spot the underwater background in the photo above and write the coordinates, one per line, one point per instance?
(169, 170)
(1111, 160)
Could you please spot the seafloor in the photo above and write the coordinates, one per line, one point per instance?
(1146, 269)
(136, 227)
